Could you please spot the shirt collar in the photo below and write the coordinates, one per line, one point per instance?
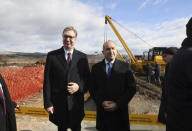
(106, 61)
(66, 51)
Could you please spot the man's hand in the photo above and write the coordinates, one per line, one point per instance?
(72, 87)
(17, 107)
(50, 110)
(165, 114)
(109, 106)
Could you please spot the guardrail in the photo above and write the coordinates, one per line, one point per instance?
(143, 119)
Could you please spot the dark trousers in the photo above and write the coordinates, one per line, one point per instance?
(76, 128)
(119, 129)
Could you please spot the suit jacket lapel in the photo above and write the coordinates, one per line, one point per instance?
(73, 62)
(113, 70)
(61, 56)
(74, 59)
(115, 67)
(103, 68)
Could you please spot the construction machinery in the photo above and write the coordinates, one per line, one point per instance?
(153, 56)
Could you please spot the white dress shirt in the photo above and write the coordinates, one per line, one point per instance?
(66, 53)
(1, 87)
(107, 66)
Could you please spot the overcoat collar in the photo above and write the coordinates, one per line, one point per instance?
(187, 42)
(61, 57)
(74, 59)
(113, 70)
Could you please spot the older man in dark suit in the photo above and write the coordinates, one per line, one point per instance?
(167, 56)
(112, 87)
(65, 77)
(7, 114)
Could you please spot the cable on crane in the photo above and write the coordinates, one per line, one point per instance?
(131, 32)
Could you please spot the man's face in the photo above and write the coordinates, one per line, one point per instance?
(167, 57)
(69, 39)
(110, 51)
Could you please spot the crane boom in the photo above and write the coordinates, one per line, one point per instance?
(108, 19)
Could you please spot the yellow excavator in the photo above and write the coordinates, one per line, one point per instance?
(153, 56)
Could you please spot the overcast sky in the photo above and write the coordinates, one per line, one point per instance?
(37, 25)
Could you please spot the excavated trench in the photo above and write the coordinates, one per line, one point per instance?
(148, 89)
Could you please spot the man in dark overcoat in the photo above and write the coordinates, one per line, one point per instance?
(112, 88)
(65, 78)
(7, 114)
(167, 56)
(179, 107)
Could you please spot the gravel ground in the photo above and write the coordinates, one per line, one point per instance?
(141, 104)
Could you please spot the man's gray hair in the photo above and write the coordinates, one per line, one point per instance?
(68, 29)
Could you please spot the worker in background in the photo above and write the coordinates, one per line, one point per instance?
(112, 87)
(7, 113)
(157, 74)
(179, 107)
(167, 56)
(149, 72)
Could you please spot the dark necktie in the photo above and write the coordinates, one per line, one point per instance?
(1, 93)
(109, 69)
(68, 58)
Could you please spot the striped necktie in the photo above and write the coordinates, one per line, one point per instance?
(109, 69)
(68, 58)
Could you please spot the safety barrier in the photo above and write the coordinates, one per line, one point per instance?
(91, 116)
(23, 82)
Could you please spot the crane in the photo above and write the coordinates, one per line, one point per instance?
(137, 63)
(154, 55)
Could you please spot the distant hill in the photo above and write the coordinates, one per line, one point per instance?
(20, 59)
(26, 59)
(6, 52)
(21, 53)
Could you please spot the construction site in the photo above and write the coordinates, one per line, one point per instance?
(24, 74)
(25, 86)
